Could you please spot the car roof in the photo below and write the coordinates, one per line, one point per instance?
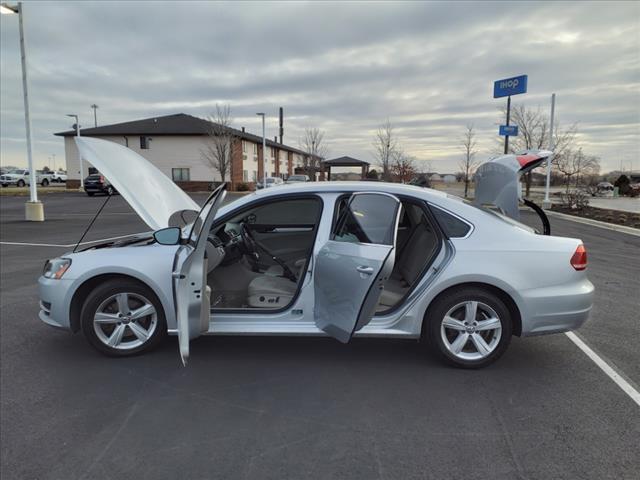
(439, 198)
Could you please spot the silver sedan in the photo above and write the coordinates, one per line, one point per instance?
(324, 258)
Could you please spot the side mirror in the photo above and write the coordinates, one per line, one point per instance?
(167, 236)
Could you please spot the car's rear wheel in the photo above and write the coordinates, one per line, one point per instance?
(469, 328)
(110, 190)
(123, 317)
(91, 194)
(45, 182)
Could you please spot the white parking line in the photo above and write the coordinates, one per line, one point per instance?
(26, 244)
(606, 368)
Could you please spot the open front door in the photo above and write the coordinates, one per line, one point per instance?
(354, 264)
(191, 293)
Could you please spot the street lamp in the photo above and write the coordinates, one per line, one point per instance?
(34, 210)
(264, 153)
(73, 115)
(95, 115)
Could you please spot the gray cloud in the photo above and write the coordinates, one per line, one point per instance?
(344, 67)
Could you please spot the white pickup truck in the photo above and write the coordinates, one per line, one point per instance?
(20, 178)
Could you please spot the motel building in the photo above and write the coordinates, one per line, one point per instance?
(175, 144)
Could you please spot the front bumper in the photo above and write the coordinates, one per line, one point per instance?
(557, 308)
(55, 298)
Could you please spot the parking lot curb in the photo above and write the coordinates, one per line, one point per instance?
(595, 223)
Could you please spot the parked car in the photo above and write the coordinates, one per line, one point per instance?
(98, 183)
(21, 178)
(297, 179)
(321, 258)
(59, 177)
(271, 182)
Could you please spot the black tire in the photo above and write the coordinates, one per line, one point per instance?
(45, 182)
(432, 330)
(110, 190)
(136, 291)
(20, 183)
(5, 185)
(91, 194)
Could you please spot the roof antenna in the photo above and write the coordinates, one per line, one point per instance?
(91, 223)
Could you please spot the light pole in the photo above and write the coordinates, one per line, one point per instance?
(73, 115)
(264, 153)
(95, 115)
(54, 161)
(34, 211)
(547, 202)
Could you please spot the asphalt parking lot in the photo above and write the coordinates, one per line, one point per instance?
(308, 407)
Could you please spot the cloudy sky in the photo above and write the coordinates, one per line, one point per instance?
(342, 67)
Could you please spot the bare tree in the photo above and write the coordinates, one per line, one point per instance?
(402, 166)
(469, 163)
(385, 143)
(218, 144)
(574, 163)
(313, 143)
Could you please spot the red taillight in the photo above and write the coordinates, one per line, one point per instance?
(101, 179)
(579, 258)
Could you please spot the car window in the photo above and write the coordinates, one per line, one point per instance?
(452, 226)
(299, 211)
(368, 218)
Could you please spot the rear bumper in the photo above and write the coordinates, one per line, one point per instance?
(555, 309)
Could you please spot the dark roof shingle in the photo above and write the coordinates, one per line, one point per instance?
(177, 124)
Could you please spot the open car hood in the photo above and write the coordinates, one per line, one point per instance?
(149, 191)
(498, 180)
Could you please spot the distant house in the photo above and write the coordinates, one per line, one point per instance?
(174, 144)
(434, 177)
(449, 178)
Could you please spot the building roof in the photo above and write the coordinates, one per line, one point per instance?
(177, 124)
(345, 162)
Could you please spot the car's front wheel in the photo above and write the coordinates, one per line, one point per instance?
(469, 328)
(123, 317)
(20, 183)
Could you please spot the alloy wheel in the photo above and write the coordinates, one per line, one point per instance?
(125, 321)
(471, 330)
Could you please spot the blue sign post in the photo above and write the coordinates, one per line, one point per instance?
(506, 88)
(508, 130)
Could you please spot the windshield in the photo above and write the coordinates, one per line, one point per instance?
(196, 227)
(299, 178)
(17, 172)
(271, 180)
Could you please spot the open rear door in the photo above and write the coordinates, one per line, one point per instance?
(353, 266)
(192, 296)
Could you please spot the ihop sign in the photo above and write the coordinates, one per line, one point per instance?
(510, 86)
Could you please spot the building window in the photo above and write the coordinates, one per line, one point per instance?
(245, 176)
(255, 149)
(180, 174)
(244, 147)
(255, 176)
(144, 143)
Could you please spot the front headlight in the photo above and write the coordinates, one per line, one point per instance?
(56, 267)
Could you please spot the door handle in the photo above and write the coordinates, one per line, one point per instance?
(364, 269)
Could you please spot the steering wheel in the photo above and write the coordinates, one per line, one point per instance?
(248, 242)
(252, 246)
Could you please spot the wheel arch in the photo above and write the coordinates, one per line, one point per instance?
(514, 311)
(80, 294)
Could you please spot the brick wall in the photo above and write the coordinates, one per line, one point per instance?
(236, 163)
